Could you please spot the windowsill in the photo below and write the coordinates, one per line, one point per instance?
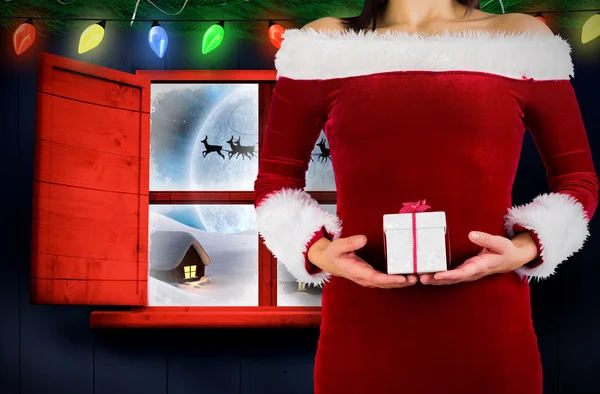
(193, 317)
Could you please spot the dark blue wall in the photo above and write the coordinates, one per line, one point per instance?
(50, 349)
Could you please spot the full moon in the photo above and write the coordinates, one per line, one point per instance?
(235, 116)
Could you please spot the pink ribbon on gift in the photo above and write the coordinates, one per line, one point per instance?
(414, 208)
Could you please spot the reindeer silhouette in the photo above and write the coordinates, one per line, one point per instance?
(237, 148)
(324, 155)
(211, 148)
(234, 148)
(247, 150)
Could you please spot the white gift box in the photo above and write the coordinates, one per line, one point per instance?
(431, 242)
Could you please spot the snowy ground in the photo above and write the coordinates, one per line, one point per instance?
(289, 294)
(232, 275)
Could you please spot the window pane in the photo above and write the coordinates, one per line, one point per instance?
(204, 136)
(319, 176)
(203, 255)
(292, 293)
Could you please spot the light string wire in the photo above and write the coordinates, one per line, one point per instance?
(137, 3)
(501, 5)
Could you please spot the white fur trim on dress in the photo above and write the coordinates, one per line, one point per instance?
(287, 219)
(561, 225)
(318, 54)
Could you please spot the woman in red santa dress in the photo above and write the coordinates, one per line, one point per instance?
(425, 99)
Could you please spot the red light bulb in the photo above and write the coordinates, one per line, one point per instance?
(540, 17)
(275, 32)
(24, 36)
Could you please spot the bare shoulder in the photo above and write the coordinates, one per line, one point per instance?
(521, 23)
(326, 23)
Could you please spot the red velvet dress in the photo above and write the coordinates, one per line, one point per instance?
(441, 118)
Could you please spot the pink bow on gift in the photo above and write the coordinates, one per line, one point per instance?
(414, 207)
(417, 206)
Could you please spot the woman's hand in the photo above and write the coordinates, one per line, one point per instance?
(338, 258)
(499, 255)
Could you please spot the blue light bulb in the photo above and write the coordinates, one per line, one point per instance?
(158, 40)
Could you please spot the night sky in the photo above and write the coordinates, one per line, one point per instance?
(178, 111)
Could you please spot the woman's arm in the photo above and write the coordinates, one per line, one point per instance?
(289, 220)
(558, 220)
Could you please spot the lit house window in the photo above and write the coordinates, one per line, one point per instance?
(190, 271)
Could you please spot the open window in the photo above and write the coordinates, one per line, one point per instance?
(143, 197)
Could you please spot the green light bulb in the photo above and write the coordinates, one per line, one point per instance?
(213, 37)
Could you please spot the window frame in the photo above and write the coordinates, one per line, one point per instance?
(267, 313)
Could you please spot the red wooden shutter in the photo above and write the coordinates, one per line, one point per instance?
(90, 185)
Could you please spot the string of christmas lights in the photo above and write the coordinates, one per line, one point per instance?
(92, 36)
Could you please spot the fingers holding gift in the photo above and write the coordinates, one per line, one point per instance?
(472, 269)
(365, 275)
(487, 262)
(494, 243)
(386, 281)
(429, 279)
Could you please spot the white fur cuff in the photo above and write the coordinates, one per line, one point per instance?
(561, 225)
(287, 219)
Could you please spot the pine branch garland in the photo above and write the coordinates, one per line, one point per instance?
(241, 10)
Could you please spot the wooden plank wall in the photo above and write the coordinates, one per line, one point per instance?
(50, 349)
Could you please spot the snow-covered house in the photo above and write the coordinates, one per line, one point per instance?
(176, 257)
